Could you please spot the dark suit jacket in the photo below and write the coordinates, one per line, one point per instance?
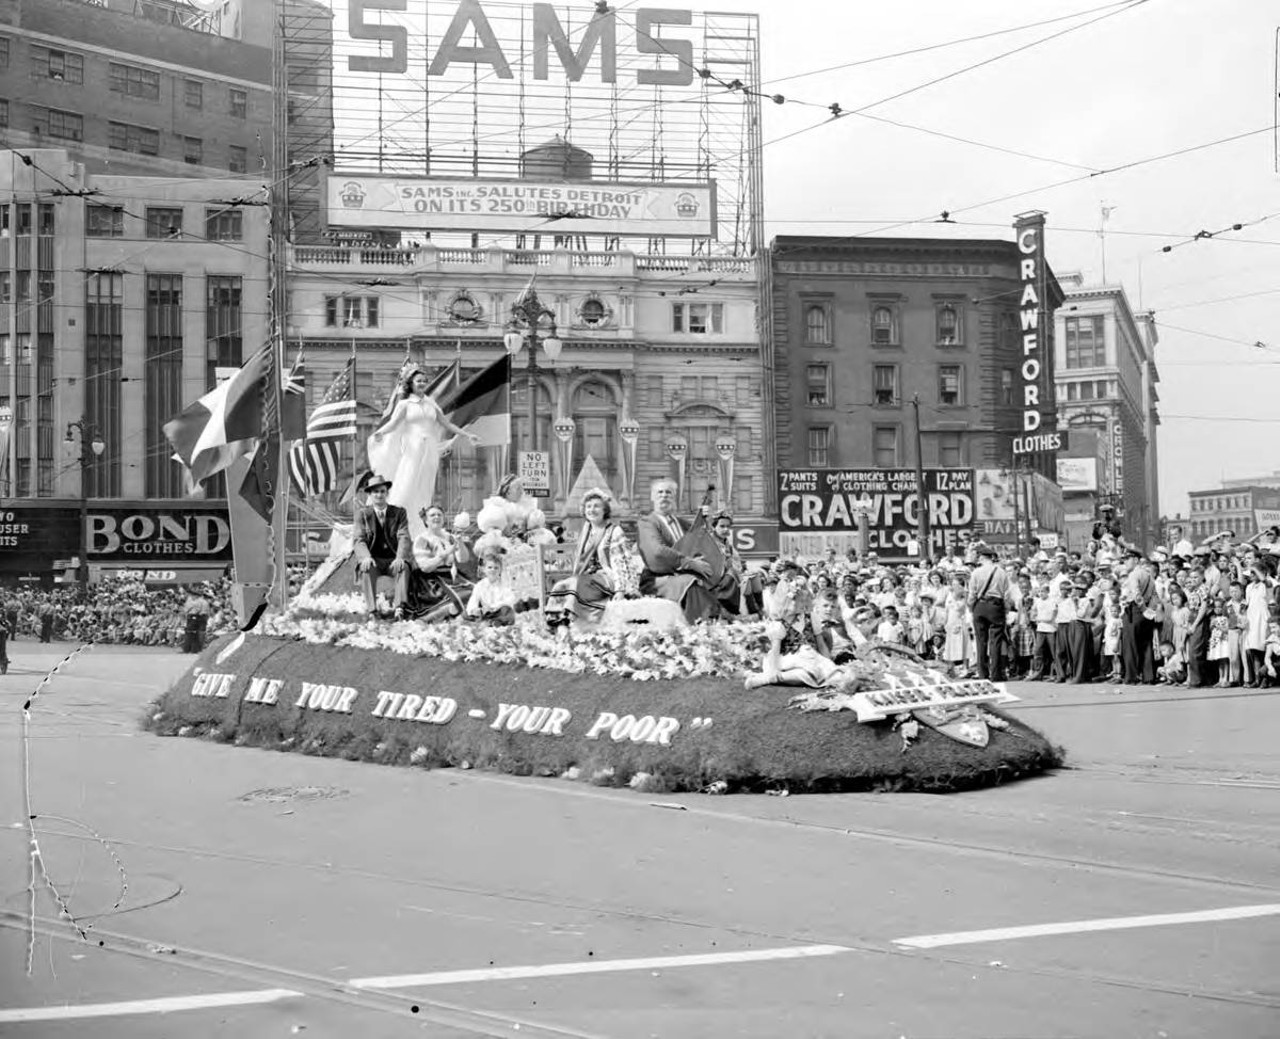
(656, 545)
(391, 542)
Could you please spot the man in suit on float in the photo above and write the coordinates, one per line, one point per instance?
(667, 572)
(383, 546)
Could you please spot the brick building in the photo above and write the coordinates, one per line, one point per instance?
(1108, 400)
(863, 326)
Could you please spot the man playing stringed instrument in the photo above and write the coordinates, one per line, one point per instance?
(668, 572)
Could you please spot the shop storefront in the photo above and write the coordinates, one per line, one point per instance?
(160, 543)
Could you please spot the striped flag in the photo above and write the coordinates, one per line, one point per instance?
(482, 404)
(216, 428)
(293, 411)
(314, 461)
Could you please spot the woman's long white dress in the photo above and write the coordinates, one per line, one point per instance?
(1256, 616)
(408, 454)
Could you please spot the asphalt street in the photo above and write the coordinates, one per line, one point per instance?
(221, 891)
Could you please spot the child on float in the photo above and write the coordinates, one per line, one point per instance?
(491, 601)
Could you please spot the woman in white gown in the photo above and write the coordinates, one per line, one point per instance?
(407, 449)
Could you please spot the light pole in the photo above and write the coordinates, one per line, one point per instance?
(527, 315)
(91, 448)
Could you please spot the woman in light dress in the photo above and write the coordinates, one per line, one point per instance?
(605, 566)
(406, 450)
(1257, 611)
(957, 649)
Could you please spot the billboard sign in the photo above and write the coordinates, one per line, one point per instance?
(1078, 475)
(446, 203)
(819, 508)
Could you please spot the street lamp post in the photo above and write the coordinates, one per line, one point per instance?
(91, 448)
(527, 316)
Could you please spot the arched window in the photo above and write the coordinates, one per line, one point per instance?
(882, 330)
(817, 324)
(948, 325)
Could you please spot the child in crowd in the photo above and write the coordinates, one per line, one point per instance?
(491, 600)
(1112, 625)
(1045, 613)
(890, 629)
(1173, 668)
(917, 638)
(1219, 641)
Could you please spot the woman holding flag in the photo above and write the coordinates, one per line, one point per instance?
(407, 447)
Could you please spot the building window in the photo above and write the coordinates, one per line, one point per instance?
(103, 356)
(193, 93)
(4, 52)
(237, 159)
(6, 287)
(124, 137)
(4, 112)
(950, 384)
(951, 448)
(104, 221)
(884, 325)
(134, 82)
(223, 332)
(239, 103)
(193, 151)
(819, 445)
(162, 395)
(884, 446)
(744, 499)
(746, 443)
(223, 225)
(61, 66)
(68, 126)
(1086, 391)
(1006, 387)
(163, 222)
(817, 324)
(884, 384)
(352, 311)
(653, 391)
(949, 326)
(818, 381)
(698, 318)
(657, 441)
(1086, 342)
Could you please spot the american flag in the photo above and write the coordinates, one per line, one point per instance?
(314, 461)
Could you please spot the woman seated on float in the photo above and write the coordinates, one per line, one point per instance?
(605, 566)
(435, 553)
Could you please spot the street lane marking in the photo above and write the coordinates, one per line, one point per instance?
(1115, 923)
(552, 970)
(148, 1006)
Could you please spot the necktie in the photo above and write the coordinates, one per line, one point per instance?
(673, 525)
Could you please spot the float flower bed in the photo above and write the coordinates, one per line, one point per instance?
(659, 712)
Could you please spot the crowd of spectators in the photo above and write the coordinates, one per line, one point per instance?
(1183, 615)
(126, 612)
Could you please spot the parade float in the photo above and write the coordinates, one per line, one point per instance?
(659, 707)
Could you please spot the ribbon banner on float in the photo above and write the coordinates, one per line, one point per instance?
(818, 508)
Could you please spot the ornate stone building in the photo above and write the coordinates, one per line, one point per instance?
(659, 374)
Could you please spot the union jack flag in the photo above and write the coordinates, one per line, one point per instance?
(314, 461)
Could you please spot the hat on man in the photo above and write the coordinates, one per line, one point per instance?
(1133, 553)
(375, 481)
(983, 549)
(1203, 551)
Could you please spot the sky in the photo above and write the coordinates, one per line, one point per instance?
(1089, 99)
(1149, 79)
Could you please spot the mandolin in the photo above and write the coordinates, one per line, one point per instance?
(698, 541)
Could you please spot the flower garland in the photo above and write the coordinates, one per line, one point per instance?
(713, 650)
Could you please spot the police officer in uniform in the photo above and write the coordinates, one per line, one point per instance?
(988, 602)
